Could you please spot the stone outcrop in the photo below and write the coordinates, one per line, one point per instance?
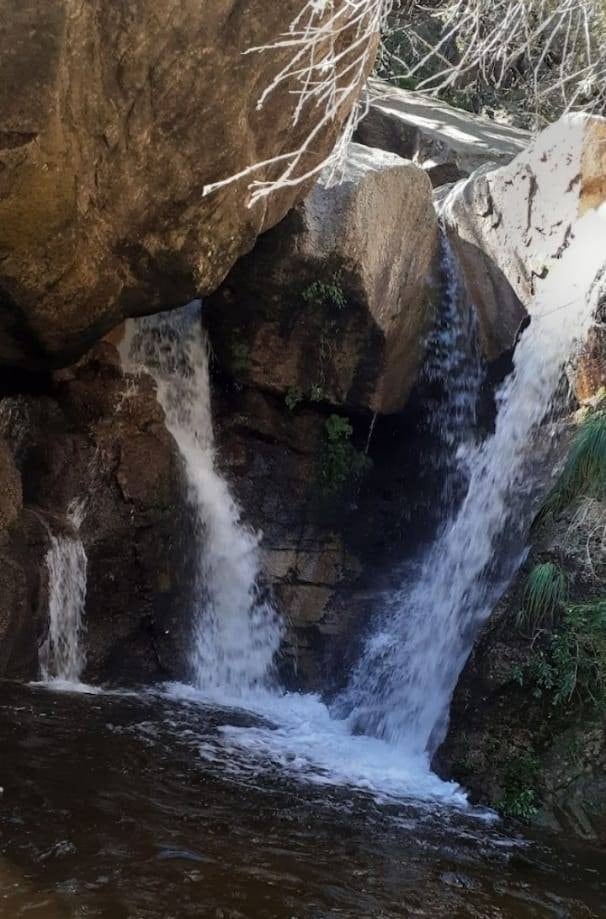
(446, 142)
(271, 456)
(346, 285)
(113, 117)
(95, 436)
(509, 227)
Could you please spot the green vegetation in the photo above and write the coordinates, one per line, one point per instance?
(546, 591)
(292, 398)
(340, 462)
(577, 662)
(316, 393)
(520, 799)
(573, 668)
(326, 293)
(585, 469)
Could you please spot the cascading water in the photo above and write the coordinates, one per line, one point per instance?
(236, 634)
(453, 367)
(380, 733)
(402, 686)
(62, 655)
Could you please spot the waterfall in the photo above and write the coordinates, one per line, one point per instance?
(380, 733)
(236, 634)
(403, 683)
(454, 367)
(62, 655)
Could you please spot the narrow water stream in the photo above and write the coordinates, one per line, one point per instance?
(140, 807)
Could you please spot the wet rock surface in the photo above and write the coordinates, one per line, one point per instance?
(98, 439)
(511, 740)
(509, 227)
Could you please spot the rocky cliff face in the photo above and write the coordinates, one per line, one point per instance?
(113, 117)
(92, 435)
(315, 333)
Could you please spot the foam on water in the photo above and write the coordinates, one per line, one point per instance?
(300, 736)
(381, 735)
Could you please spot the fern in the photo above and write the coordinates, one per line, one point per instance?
(546, 591)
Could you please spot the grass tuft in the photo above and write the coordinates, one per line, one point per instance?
(585, 469)
(546, 591)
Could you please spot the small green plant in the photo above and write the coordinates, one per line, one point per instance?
(340, 462)
(292, 398)
(326, 293)
(574, 666)
(239, 356)
(316, 393)
(585, 469)
(540, 673)
(521, 804)
(520, 799)
(578, 655)
(516, 675)
(546, 590)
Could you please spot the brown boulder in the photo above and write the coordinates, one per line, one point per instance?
(113, 118)
(97, 437)
(333, 304)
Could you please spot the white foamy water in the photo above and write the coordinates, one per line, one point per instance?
(235, 636)
(301, 738)
(402, 686)
(62, 655)
(235, 633)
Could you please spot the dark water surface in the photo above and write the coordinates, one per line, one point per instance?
(109, 810)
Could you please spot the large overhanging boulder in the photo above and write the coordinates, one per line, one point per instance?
(113, 117)
(334, 303)
(510, 227)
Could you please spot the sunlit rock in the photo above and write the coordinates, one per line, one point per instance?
(511, 227)
(113, 118)
(445, 141)
(333, 304)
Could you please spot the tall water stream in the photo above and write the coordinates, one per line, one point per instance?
(235, 633)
